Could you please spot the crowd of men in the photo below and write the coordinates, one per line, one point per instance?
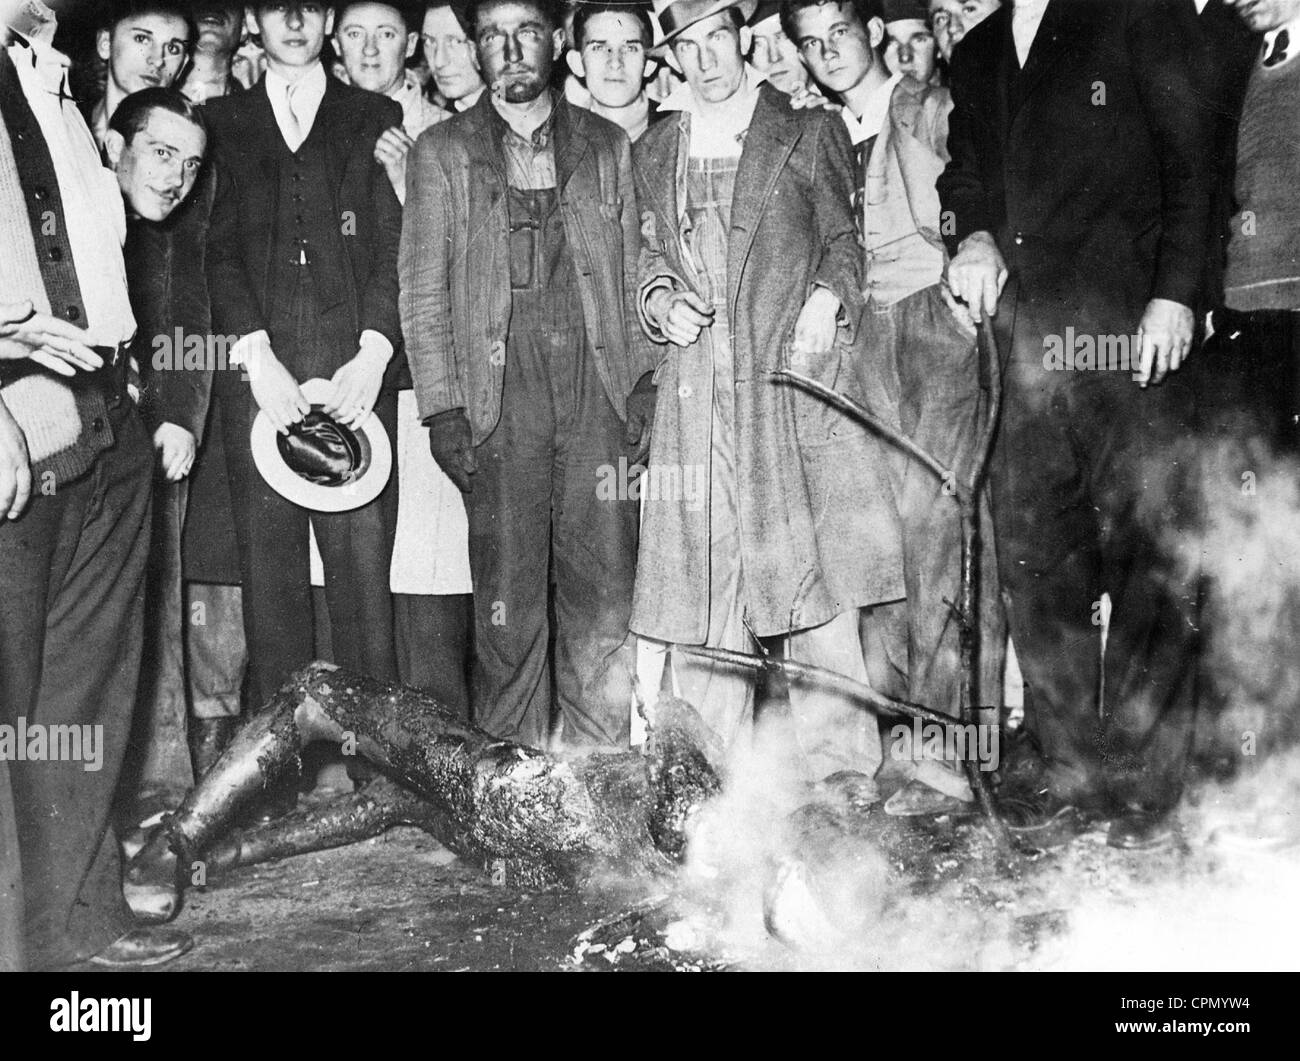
(552, 258)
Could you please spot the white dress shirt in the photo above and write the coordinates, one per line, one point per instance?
(1025, 20)
(862, 128)
(295, 103)
(92, 201)
(718, 132)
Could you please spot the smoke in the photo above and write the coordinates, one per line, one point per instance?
(780, 874)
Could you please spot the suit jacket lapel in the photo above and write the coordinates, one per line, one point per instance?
(773, 132)
(1056, 33)
(571, 142)
(487, 147)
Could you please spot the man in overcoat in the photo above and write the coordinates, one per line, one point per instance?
(751, 263)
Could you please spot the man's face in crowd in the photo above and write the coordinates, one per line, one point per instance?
(293, 33)
(451, 56)
(953, 19)
(219, 29)
(776, 56)
(374, 45)
(613, 59)
(517, 46)
(838, 49)
(144, 51)
(910, 49)
(711, 56)
(1261, 16)
(157, 169)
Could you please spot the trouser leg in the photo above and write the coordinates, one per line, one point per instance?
(160, 723)
(595, 541)
(942, 409)
(356, 548)
(432, 634)
(509, 513)
(274, 565)
(73, 568)
(835, 732)
(1144, 473)
(1048, 539)
(216, 655)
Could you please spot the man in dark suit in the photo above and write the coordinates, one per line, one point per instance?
(302, 267)
(1078, 181)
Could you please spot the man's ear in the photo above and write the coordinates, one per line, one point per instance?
(574, 58)
(114, 145)
(651, 65)
(746, 40)
(876, 31)
(412, 39)
(104, 44)
(250, 23)
(557, 40)
(670, 57)
(329, 22)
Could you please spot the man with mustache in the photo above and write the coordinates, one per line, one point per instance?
(518, 246)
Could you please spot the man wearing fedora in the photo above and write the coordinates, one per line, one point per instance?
(518, 251)
(751, 263)
(302, 266)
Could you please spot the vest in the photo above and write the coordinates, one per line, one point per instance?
(1264, 249)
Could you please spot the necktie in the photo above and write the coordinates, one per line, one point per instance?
(294, 134)
(1278, 54)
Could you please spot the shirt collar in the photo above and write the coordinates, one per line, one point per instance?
(466, 102)
(50, 65)
(541, 136)
(682, 98)
(313, 81)
(874, 115)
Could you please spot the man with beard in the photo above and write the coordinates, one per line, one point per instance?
(518, 244)
(1080, 208)
(751, 263)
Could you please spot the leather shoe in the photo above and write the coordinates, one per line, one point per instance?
(1142, 829)
(142, 947)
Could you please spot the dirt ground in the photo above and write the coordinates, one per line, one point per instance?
(920, 897)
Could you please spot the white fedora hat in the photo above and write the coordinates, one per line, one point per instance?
(673, 16)
(321, 464)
